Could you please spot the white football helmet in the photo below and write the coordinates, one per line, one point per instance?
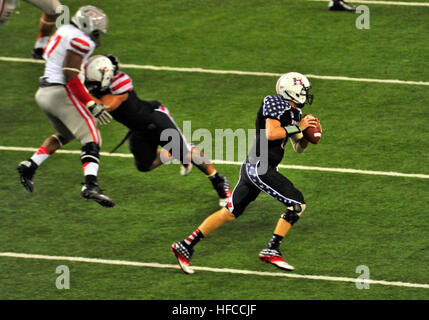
(92, 21)
(295, 86)
(99, 72)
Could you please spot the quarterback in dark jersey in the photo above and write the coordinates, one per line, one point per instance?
(147, 121)
(279, 120)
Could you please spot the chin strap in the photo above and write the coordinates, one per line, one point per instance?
(290, 97)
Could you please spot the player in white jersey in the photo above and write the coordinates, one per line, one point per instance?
(68, 105)
(67, 38)
(46, 25)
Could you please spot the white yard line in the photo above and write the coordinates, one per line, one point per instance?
(285, 166)
(393, 3)
(208, 269)
(237, 72)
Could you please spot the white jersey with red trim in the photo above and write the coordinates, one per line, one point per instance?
(66, 38)
(121, 83)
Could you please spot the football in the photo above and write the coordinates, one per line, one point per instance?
(313, 134)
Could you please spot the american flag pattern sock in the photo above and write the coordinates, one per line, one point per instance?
(275, 242)
(193, 239)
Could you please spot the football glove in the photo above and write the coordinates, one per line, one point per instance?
(99, 112)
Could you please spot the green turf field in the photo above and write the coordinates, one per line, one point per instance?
(351, 219)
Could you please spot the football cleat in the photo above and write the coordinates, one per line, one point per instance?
(340, 5)
(223, 190)
(92, 191)
(26, 170)
(186, 169)
(183, 254)
(274, 257)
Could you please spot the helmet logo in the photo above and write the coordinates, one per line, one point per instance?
(96, 19)
(297, 81)
(91, 14)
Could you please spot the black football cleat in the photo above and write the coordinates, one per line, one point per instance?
(340, 5)
(26, 170)
(93, 192)
(37, 53)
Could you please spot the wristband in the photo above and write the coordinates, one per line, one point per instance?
(90, 104)
(291, 130)
(79, 91)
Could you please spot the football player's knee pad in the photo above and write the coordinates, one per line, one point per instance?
(293, 213)
(290, 216)
(90, 153)
(298, 208)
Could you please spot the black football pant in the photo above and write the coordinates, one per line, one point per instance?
(272, 182)
(144, 143)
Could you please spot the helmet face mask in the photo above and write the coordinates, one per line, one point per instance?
(93, 86)
(308, 96)
(95, 36)
(295, 87)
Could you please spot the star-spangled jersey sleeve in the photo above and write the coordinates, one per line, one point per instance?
(121, 83)
(274, 107)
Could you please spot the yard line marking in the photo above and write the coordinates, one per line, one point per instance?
(238, 72)
(208, 269)
(285, 166)
(340, 170)
(394, 3)
(12, 59)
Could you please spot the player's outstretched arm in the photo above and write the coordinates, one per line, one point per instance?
(112, 101)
